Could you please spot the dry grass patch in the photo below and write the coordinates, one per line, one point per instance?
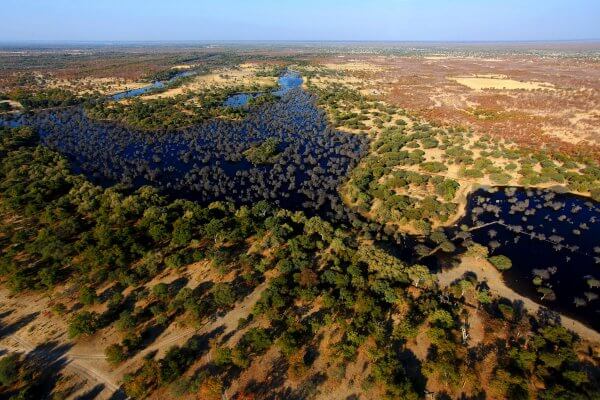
(244, 76)
(354, 66)
(90, 85)
(499, 82)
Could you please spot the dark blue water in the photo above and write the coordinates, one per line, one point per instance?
(550, 237)
(239, 99)
(206, 162)
(288, 81)
(153, 86)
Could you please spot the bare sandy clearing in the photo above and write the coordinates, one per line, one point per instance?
(224, 78)
(488, 273)
(183, 66)
(12, 103)
(354, 66)
(347, 80)
(499, 82)
(101, 85)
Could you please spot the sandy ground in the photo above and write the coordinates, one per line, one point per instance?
(183, 66)
(244, 76)
(13, 104)
(499, 82)
(581, 127)
(354, 66)
(28, 326)
(102, 85)
(488, 273)
(533, 99)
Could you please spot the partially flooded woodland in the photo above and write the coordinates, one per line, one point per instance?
(208, 161)
(285, 223)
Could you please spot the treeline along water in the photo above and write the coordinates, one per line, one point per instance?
(288, 81)
(151, 87)
(206, 162)
(552, 239)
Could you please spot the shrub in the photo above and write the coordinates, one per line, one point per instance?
(223, 295)
(223, 356)
(84, 323)
(115, 354)
(9, 369)
(433, 167)
(472, 173)
(264, 153)
(595, 193)
(502, 263)
(87, 296)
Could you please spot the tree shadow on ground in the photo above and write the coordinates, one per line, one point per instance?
(7, 330)
(153, 332)
(50, 359)
(412, 366)
(177, 285)
(478, 396)
(92, 393)
(118, 395)
(273, 387)
(112, 313)
(109, 292)
(70, 391)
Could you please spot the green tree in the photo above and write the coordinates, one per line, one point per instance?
(9, 369)
(223, 295)
(115, 354)
(87, 296)
(442, 318)
(84, 323)
(161, 291)
(502, 263)
(126, 321)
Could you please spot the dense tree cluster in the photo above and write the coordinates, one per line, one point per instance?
(31, 100)
(324, 278)
(401, 195)
(263, 153)
(169, 113)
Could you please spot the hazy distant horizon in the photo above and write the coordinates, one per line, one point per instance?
(459, 21)
(580, 44)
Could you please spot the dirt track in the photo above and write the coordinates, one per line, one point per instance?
(74, 363)
(27, 327)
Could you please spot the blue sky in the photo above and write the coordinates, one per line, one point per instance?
(404, 20)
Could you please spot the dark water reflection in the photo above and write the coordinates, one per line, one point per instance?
(288, 81)
(551, 238)
(239, 99)
(153, 86)
(207, 162)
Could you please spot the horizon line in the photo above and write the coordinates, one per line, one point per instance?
(18, 41)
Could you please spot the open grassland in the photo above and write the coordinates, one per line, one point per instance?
(115, 292)
(499, 82)
(88, 86)
(531, 100)
(243, 76)
(418, 175)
